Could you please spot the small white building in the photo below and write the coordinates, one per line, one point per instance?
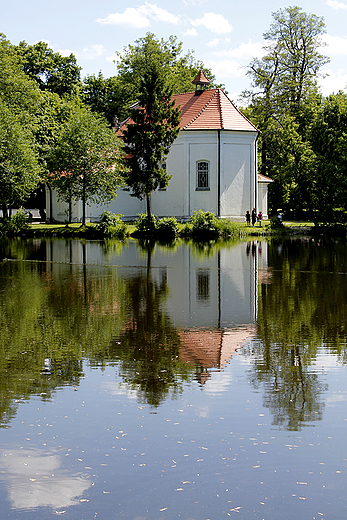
(213, 164)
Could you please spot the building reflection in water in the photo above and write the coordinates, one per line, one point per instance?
(211, 296)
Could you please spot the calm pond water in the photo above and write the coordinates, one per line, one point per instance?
(192, 382)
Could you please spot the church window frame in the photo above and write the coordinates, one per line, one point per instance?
(202, 175)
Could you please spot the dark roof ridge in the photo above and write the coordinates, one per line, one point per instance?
(214, 91)
(239, 111)
(220, 109)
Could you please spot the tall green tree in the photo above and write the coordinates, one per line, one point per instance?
(287, 73)
(51, 70)
(284, 88)
(329, 142)
(17, 90)
(154, 126)
(87, 159)
(110, 97)
(19, 166)
(180, 68)
(114, 96)
(19, 101)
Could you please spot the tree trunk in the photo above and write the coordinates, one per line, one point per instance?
(149, 211)
(84, 203)
(263, 169)
(148, 201)
(50, 204)
(4, 210)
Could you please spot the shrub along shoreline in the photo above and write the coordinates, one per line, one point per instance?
(203, 226)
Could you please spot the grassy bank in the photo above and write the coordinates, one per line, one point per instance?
(203, 226)
(91, 231)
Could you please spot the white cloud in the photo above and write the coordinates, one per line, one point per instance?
(158, 14)
(214, 22)
(140, 17)
(336, 5)
(213, 43)
(334, 45)
(131, 17)
(93, 51)
(67, 52)
(191, 32)
(247, 51)
(237, 99)
(220, 382)
(227, 68)
(113, 58)
(333, 82)
(202, 411)
(336, 398)
(44, 41)
(116, 389)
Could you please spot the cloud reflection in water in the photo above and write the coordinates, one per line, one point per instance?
(33, 480)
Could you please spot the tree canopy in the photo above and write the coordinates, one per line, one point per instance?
(114, 96)
(51, 70)
(86, 159)
(19, 167)
(302, 145)
(284, 100)
(20, 99)
(329, 143)
(287, 73)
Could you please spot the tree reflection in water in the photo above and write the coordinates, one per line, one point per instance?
(148, 347)
(300, 311)
(55, 317)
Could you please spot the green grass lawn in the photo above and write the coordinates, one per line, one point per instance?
(75, 229)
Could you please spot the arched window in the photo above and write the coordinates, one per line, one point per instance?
(202, 175)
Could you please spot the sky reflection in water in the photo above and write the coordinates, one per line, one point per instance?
(124, 394)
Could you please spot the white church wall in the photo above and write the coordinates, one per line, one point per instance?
(203, 148)
(238, 268)
(216, 291)
(263, 198)
(60, 209)
(124, 204)
(182, 196)
(172, 200)
(237, 183)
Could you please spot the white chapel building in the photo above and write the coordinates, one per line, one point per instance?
(213, 163)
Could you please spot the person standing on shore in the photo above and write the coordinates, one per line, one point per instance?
(260, 218)
(254, 216)
(248, 218)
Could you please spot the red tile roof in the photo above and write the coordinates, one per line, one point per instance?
(263, 178)
(211, 110)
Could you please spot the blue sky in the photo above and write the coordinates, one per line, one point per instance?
(225, 35)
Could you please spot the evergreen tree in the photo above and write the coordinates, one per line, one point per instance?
(154, 126)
